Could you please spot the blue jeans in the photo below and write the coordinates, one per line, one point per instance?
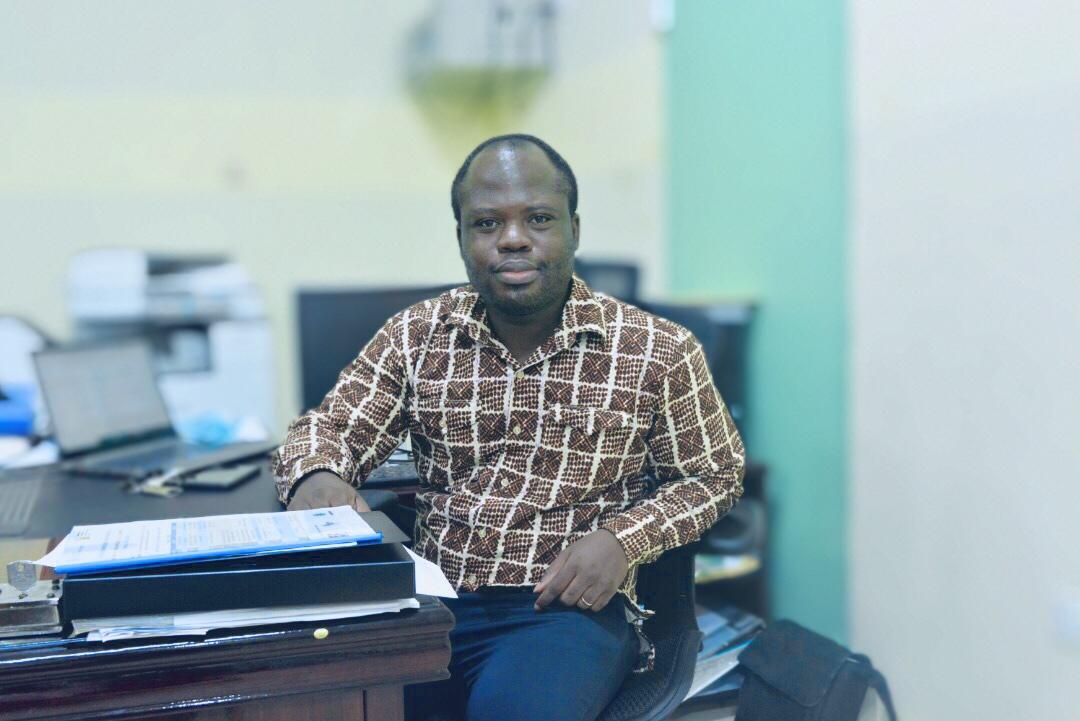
(510, 662)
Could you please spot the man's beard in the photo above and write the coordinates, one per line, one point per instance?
(551, 287)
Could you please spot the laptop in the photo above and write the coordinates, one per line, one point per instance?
(109, 416)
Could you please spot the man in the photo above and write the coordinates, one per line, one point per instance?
(538, 413)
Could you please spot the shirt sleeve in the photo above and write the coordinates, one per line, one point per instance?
(358, 424)
(697, 457)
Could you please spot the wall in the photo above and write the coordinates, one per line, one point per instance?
(757, 199)
(965, 549)
(287, 135)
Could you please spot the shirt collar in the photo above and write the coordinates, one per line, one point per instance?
(582, 313)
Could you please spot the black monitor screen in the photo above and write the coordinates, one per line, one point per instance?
(722, 330)
(619, 280)
(335, 325)
(101, 394)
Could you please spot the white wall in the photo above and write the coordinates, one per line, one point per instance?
(964, 539)
(285, 134)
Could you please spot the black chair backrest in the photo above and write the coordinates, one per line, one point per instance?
(666, 586)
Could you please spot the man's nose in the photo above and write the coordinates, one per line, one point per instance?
(514, 238)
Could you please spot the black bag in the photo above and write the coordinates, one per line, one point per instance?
(794, 674)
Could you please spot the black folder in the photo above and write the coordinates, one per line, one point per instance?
(352, 574)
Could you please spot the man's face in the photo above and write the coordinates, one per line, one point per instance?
(517, 236)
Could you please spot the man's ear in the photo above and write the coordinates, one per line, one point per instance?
(460, 247)
(575, 224)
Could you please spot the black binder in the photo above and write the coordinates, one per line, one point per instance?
(373, 572)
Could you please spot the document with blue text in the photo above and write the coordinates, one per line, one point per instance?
(116, 546)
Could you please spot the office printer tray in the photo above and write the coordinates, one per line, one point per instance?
(376, 572)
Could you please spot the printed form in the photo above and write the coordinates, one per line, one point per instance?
(148, 543)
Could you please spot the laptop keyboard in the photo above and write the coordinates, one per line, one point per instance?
(17, 501)
(392, 474)
(154, 458)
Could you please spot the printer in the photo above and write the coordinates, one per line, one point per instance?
(204, 318)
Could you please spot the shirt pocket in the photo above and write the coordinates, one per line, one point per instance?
(591, 420)
(587, 429)
(436, 410)
(594, 447)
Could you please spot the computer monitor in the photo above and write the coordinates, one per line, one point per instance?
(102, 394)
(723, 331)
(336, 324)
(619, 280)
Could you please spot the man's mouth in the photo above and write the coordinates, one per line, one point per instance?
(517, 272)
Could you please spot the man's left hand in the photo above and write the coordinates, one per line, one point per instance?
(586, 574)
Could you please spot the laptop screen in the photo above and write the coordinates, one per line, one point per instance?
(101, 395)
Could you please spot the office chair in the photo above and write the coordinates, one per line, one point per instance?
(667, 587)
(385, 501)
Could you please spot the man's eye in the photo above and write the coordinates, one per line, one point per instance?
(486, 223)
(540, 219)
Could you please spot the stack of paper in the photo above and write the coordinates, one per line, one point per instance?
(141, 544)
(714, 668)
(138, 544)
(430, 581)
(728, 630)
(198, 624)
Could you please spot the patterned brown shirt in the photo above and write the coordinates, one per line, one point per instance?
(517, 461)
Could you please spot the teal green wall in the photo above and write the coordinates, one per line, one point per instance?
(757, 187)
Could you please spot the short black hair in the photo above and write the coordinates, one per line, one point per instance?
(515, 139)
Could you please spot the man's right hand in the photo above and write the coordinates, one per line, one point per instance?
(323, 489)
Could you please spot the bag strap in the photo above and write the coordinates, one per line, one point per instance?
(876, 681)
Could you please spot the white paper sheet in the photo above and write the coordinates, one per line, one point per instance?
(42, 454)
(430, 579)
(711, 669)
(146, 543)
(198, 624)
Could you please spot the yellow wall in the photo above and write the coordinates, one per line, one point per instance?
(287, 135)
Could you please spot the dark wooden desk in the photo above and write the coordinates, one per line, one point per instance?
(67, 500)
(357, 672)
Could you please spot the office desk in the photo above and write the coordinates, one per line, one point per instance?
(68, 500)
(357, 673)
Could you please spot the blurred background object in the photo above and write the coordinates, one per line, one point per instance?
(479, 52)
(331, 321)
(19, 340)
(204, 320)
(866, 212)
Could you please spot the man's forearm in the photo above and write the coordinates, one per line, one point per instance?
(313, 445)
(696, 454)
(677, 514)
(316, 476)
(357, 425)
(323, 489)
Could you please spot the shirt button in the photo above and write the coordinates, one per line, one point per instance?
(482, 533)
(504, 483)
(519, 375)
(471, 578)
(517, 430)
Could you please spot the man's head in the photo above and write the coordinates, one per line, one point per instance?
(515, 203)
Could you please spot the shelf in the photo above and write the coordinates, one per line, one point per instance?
(709, 568)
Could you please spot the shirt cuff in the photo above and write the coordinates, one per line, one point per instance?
(638, 531)
(287, 482)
